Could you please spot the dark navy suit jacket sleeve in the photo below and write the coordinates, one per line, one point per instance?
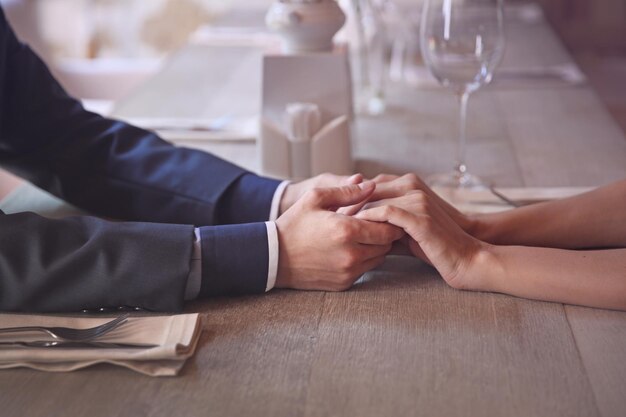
(117, 171)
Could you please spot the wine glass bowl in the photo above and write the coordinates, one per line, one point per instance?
(462, 42)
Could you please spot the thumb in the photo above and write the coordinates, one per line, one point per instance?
(354, 179)
(347, 195)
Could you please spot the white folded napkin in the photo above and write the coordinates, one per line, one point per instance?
(176, 336)
(484, 201)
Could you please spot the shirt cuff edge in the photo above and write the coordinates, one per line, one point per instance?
(278, 195)
(272, 248)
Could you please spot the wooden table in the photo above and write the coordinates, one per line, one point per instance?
(400, 342)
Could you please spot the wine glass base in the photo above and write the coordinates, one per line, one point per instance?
(455, 179)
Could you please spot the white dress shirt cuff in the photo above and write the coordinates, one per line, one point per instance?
(278, 195)
(272, 246)
(194, 279)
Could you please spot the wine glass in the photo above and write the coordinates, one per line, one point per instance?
(462, 42)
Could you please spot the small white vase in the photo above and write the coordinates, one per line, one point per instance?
(305, 25)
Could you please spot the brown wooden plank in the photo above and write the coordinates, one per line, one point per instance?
(563, 137)
(601, 339)
(404, 343)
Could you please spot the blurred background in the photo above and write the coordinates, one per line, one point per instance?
(103, 49)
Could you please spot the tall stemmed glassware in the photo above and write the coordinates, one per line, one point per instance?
(462, 42)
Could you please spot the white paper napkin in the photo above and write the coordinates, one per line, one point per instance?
(176, 336)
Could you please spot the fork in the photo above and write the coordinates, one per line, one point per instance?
(68, 333)
(503, 197)
(77, 345)
(515, 203)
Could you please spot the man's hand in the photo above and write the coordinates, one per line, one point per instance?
(295, 191)
(323, 250)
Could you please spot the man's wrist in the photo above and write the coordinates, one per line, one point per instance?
(279, 195)
(283, 270)
(290, 195)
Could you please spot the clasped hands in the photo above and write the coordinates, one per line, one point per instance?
(333, 229)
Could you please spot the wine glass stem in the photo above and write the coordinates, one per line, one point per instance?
(461, 168)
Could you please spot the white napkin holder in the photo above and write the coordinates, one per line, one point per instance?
(305, 126)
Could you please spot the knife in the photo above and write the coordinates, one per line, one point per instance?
(76, 345)
(517, 202)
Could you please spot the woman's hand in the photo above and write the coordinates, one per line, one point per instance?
(436, 238)
(393, 186)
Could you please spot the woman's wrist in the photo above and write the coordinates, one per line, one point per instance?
(482, 227)
(487, 269)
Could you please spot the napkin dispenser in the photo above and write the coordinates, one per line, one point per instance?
(306, 116)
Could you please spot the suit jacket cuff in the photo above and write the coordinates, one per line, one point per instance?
(247, 200)
(234, 259)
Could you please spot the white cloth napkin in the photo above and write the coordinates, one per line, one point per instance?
(484, 201)
(176, 336)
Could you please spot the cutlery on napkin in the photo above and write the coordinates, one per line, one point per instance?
(168, 340)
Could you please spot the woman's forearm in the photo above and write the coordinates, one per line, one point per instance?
(593, 219)
(590, 278)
